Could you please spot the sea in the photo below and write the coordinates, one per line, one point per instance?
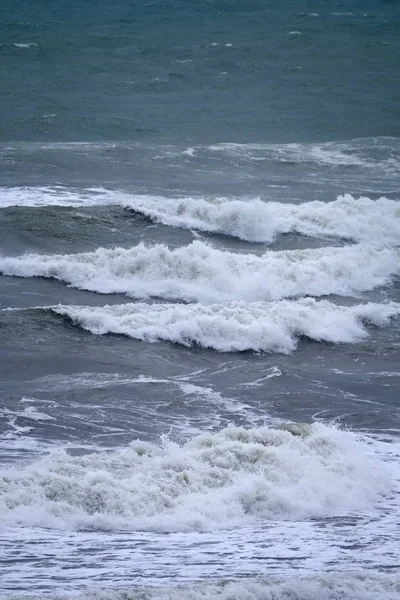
(199, 300)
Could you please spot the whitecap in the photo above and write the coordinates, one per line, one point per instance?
(237, 326)
(198, 272)
(25, 45)
(359, 219)
(53, 195)
(216, 480)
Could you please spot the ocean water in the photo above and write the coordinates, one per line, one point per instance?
(199, 300)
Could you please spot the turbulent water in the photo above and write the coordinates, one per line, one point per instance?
(199, 300)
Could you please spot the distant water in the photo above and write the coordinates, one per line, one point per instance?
(199, 300)
(211, 71)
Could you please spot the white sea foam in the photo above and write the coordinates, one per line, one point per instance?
(30, 413)
(238, 326)
(213, 481)
(359, 219)
(260, 381)
(53, 196)
(82, 381)
(25, 45)
(329, 586)
(202, 273)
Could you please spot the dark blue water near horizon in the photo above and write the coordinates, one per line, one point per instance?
(182, 70)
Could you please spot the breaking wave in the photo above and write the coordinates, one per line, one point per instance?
(237, 326)
(358, 219)
(213, 481)
(199, 272)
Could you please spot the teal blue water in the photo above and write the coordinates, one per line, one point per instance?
(184, 70)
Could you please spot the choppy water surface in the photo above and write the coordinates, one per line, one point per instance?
(199, 301)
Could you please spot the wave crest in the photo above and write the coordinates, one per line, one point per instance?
(201, 273)
(358, 219)
(234, 327)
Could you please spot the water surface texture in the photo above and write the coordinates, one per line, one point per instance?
(199, 300)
